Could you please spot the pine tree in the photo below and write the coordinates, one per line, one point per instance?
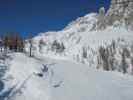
(132, 64)
(6, 39)
(124, 65)
(104, 55)
(84, 53)
(31, 44)
(62, 47)
(41, 44)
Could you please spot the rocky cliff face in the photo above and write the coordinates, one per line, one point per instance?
(122, 11)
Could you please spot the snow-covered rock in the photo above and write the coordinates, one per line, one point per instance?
(120, 10)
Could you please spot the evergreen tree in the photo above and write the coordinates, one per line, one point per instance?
(124, 65)
(104, 55)
(84, 53)
(41, 44)
(31, 44)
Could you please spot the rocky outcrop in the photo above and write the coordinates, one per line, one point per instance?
(122, 11)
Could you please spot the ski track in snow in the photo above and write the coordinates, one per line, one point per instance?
(64, 80)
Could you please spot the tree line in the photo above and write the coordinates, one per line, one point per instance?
(114, 57)
(12, 41)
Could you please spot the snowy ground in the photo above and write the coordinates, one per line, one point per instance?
(52, 79)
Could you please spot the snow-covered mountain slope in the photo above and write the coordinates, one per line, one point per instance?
(78, 34)
(81, 39)
(49, 79)
(78, 37)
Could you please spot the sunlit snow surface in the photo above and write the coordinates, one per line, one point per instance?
(64, 80)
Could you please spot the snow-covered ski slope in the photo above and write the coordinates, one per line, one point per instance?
(63, 80)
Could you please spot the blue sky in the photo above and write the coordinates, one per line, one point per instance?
(34, 16)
